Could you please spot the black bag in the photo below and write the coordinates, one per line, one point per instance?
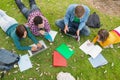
(7, 59)
(93, 21)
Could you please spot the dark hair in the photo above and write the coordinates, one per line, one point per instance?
(103, 34)
(37, 20)
(79, 11)
(20, 30)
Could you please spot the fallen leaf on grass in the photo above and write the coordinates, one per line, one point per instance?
(105, 71)
(15, 72)
(30, 78)
(51, 43)
(112, 64)
(7, 37)
(78, 78)
(15, 79)
(41, 74)
(37, 68)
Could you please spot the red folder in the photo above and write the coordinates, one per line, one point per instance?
(58, 59)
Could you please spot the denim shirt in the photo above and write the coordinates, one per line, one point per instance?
(70, 14)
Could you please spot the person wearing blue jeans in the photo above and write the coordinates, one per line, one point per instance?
(25, 11)
(74, 21)
(37, 23)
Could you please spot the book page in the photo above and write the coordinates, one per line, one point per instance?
(95, 51)
(85, 47)
(53, 34)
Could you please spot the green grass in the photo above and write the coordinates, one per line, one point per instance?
(78, 64)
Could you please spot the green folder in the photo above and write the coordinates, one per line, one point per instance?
(65, 51)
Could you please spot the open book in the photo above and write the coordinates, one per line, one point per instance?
(44, 47)
(24, 63)
(92, 49)
(51, 35)
(98, 61)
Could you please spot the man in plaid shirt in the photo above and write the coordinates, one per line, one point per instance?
(36, 21)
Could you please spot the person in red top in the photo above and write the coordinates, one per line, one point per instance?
(36, 21)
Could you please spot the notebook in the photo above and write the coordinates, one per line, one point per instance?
(92, 50)
(65, 51)
(24, 63)
(98, 61)
(51, 35)
(58, 59)
(44, 47)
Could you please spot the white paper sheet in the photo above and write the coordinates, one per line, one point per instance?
(24, 63)
(92, 50)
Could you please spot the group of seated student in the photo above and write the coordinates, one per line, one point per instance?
(73, 24)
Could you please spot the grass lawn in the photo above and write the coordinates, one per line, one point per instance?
(78, 64)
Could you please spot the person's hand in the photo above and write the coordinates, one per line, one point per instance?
(39, 45)
(90, 44)
(34, 48)
(66, 29)
(78, 32)
(42, 32)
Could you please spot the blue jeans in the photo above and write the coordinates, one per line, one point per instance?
(24, 10)
(60, 23)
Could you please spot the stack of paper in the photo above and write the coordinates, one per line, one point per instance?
(51, 35)
(65, 51)
(90, 49)
(24, 63)
(98, 61)
(58, 59)
(44, 47)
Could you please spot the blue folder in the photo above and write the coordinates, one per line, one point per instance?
(98, 61)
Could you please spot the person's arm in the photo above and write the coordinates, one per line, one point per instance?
(31, 36)
(34, 30)
(67, 16)
(18, 45)
(95, 40)
(84, 19)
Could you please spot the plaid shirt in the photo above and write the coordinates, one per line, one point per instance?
(33, 27)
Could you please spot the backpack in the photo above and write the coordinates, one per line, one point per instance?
(93, 21)
(7, 60)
